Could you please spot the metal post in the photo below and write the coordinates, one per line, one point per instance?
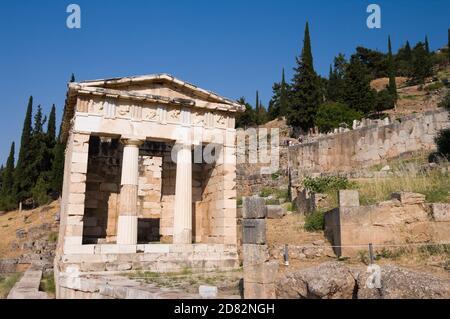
(371, 254)
(286, 255)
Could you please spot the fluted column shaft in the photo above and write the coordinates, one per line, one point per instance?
(127, 226)
(182, 226)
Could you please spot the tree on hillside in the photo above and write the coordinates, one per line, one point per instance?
(376, 62)
(392, 88)
(72, 78)
(403, 60)
(306, 94)
(22, 181)
(51, 127)
(335, 85)
(244, 119)
(7, 200)
(279, 104)
(421, 64)
(257, 109)
(332, 115)
(448, 45)
(358, 94)
(427, 45)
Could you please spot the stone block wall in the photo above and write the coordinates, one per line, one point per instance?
(405, 219)
(366, 146)
(219, 196)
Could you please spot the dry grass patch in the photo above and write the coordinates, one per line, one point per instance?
(434, 184)
(7, 282)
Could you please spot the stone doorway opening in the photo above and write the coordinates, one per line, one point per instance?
(155, 194)
(103, 185)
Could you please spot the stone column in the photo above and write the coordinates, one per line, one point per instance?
(182, 224)
(128, 224)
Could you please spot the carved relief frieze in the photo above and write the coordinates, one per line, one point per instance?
(198, 118)
(174, 115)
(150, 114)
(220, 121)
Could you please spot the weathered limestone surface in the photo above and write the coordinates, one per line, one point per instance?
(122, 189)
(403, 220)
(254, 231)
(441, 212)
(367, 145)
(28, 286)
(335, 280)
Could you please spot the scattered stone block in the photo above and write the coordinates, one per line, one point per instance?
(254, 231)
(441, 212)
(253, 207)
(275, 211)
(348, 198)
(21, 233)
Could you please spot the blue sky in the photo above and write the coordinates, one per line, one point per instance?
(231, 47)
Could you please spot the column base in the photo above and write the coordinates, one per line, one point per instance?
(184, 237)
(127, 230)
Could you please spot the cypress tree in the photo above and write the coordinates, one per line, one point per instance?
(8, 173)
(448, 45)
(7, 192)
(306, 93)
(22, 182)
(392, 88)
(246, 118)
(257, 110)
(421, 63)
(284, 98)
(57, 169)
(72, 78)
(279, 103)
(357, 91)
(427, 46)
(51, 126)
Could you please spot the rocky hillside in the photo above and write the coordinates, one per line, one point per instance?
(28, 237)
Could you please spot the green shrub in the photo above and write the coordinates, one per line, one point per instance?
(239, 201)
(40, 191)
(282, 193)
(433, 250)
(275, 175)
(315, 221)
(53, 237)
(6, 284)
(291, 207)
(266, 192)
(326, 184)
(48, 283)
(332, 115)
(384, 101)
(272, 201)
(391, 253)
(434, 86)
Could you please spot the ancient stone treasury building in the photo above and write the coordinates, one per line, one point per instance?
(149, 179)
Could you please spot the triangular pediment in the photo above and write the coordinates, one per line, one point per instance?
(162, 85)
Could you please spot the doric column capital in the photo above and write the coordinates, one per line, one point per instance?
(136, 142)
